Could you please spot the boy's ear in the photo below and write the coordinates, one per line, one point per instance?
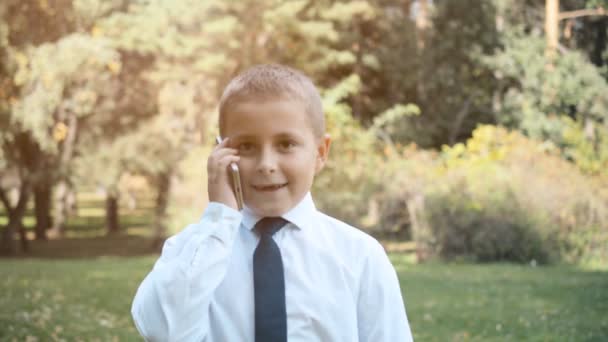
(322, 152)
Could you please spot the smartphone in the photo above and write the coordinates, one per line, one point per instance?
(236, 180)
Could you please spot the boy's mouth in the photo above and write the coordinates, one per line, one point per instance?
(269, 187)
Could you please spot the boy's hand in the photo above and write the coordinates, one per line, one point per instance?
(218, 179)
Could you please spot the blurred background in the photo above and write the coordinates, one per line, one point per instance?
(469, 136)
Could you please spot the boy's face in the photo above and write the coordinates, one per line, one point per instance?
(279, 153)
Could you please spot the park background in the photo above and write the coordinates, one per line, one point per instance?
(469, 136)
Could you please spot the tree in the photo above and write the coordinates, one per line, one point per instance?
(47, 97)
(553, 16)
(188, 73)
(550, 104)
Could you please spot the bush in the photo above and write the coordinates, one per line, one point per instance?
(502, 196)
(499, 197)
(494, 229)
(344, 187)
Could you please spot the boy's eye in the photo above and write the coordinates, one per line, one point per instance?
(286, 145)
(245, 147)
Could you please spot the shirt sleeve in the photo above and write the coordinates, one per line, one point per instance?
(172, 303)
(380, 308)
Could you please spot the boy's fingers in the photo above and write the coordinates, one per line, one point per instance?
(223, 144)
(218, 155)
(220, 174)
(224, 152)
(225, 161)
(221, 162)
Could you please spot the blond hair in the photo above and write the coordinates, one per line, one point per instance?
(273, 82)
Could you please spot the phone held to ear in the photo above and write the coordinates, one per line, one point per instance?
(235, 175)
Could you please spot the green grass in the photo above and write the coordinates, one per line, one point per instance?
(74, 300)
(80, 289)
(89, 299)
(504, 302)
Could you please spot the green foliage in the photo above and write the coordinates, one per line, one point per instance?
(189, 189)
(564, 100)
(353, 185)
(596, 3)
(343, 186)
(492, 199)
(452, 87)
(388, 122)
(590, 155)
(537, 95)
(138, 81)
(52, 89)
(189, 72)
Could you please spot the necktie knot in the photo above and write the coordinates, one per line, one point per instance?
(270, 225)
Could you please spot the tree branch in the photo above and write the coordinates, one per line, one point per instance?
(582, 13)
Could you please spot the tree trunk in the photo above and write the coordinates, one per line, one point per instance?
(160, 210)
(422, 25)
(112, 224)
(454, 129)
(551, 30)
(61, 205)
(601, 40)
(64, 196)
(419, 227)
(357, 99)
(23, 236)
(7, 244)
(42, 208)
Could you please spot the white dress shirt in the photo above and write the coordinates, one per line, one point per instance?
(339, 282)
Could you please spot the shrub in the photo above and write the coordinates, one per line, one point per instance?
(462, 224)
(499, 197)
(502, 196)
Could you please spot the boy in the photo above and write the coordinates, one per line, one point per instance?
(279, 269)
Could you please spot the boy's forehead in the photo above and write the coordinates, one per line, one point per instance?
(262, 111)
(249, 115)
(267, 128)
(276, 103)
(246, 136)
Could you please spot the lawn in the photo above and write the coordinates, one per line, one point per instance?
(88, 299)
(80, 289)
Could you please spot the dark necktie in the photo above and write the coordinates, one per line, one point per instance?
(269, 284)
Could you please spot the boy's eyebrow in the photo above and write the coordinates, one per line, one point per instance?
(243, 137)
(287, 135)
(253, 137)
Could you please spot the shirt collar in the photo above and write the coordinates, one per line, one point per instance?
(300, 215)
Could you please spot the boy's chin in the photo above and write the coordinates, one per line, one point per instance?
(269, 211)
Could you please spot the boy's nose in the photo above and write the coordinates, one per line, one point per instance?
(267, 163)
